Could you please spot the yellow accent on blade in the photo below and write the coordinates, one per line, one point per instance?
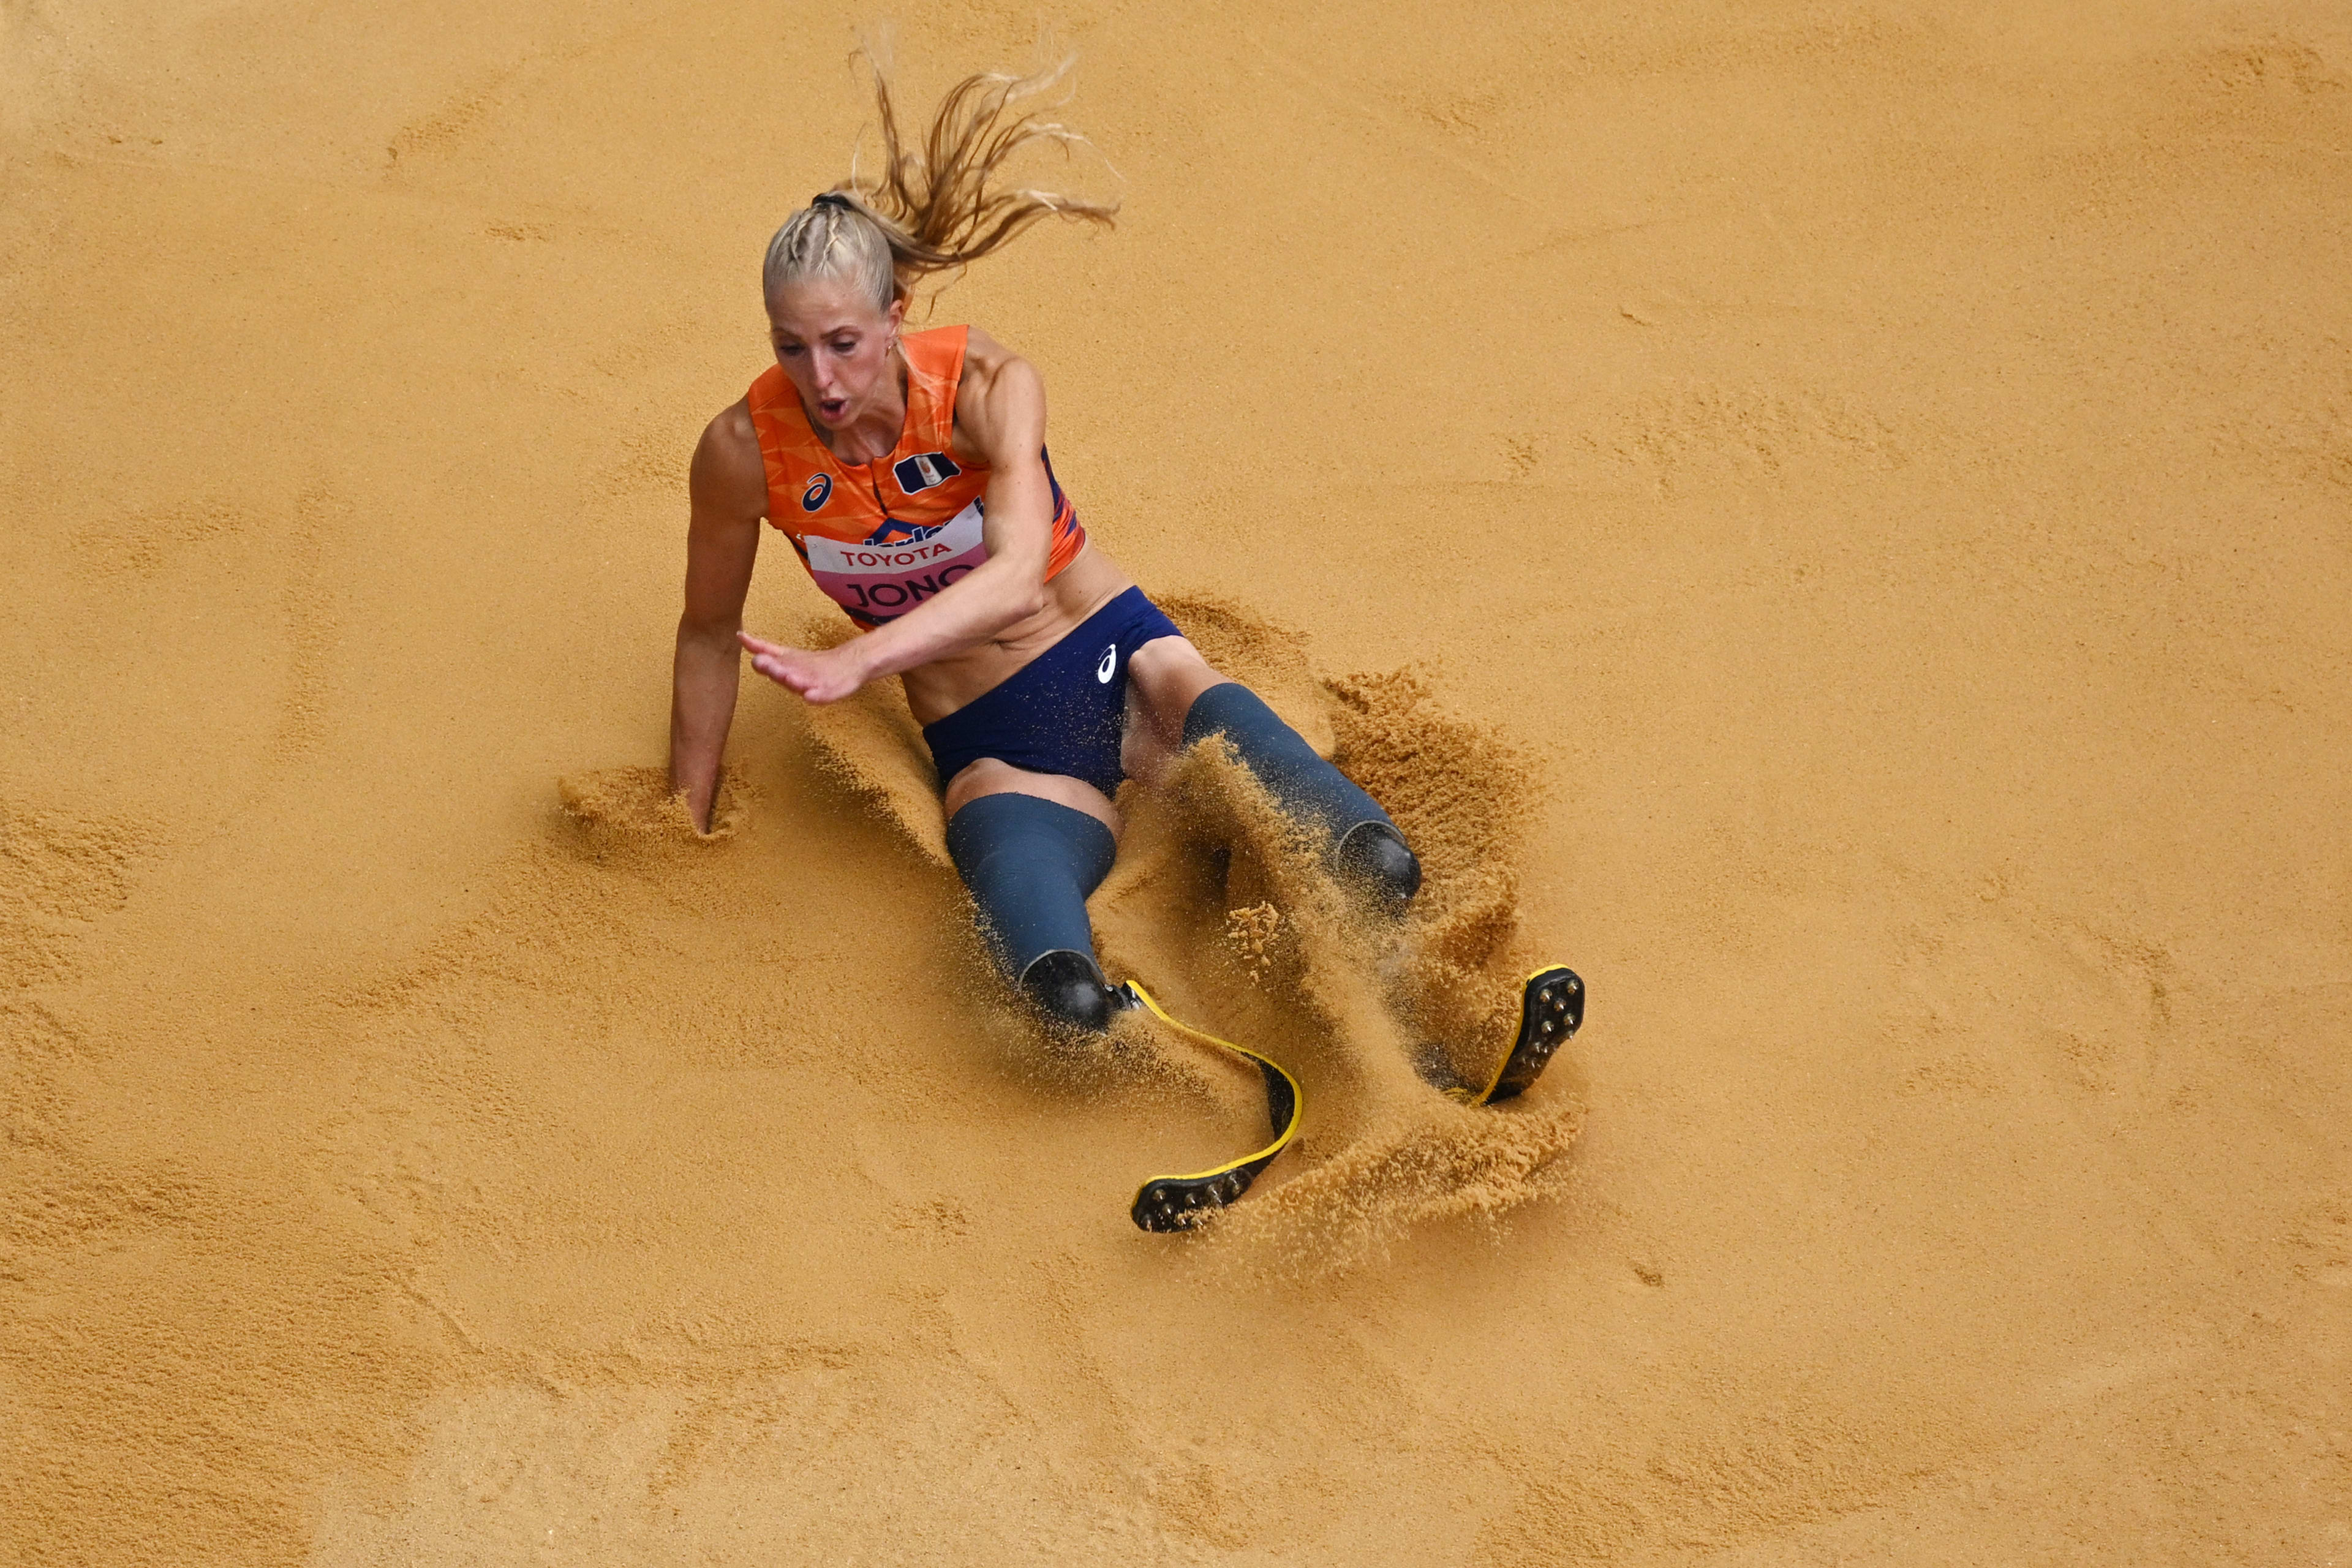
(1298, 1095)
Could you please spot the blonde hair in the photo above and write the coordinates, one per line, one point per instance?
(930, 209)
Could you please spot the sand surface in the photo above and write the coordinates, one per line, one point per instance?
(1835, 518)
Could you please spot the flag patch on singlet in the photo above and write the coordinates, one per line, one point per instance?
(882, 581)
(923, 470)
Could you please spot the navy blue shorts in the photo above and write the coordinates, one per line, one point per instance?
(1064, 710)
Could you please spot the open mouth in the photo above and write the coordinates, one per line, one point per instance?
(832, 408)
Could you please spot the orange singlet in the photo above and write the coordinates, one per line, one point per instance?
(881, 537)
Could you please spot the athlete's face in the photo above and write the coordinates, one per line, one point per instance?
(836, 347)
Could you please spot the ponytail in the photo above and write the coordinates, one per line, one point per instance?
(930, 209)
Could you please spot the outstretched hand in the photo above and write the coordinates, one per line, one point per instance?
(827, 677)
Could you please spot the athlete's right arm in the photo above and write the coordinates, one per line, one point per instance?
(729, 491)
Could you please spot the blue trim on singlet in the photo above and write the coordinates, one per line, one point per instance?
(1064, 710)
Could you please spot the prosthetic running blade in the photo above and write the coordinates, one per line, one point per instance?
(1551, 1006)
(1174, 1203)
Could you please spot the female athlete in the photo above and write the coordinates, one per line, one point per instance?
(909, 470)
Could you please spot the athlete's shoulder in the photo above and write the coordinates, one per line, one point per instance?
(1001, 404)
(989, 364)
(985, 354)
(726, 462)
(732, 433)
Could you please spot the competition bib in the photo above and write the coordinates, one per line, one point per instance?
(881, 580)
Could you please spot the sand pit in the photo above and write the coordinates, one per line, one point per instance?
(1868, 483)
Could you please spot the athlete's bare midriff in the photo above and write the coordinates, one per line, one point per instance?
(936, 690)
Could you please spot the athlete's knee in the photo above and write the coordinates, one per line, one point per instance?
(1375, 856)
(1069, 988)
(1030, 864)
(1366, 845)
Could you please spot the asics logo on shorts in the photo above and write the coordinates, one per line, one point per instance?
(1110, 662)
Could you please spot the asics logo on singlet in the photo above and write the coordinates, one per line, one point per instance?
(923, 470)
(1110, 662)
(819, 488)
(893, 532)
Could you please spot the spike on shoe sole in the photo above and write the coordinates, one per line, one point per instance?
(1552, 1008)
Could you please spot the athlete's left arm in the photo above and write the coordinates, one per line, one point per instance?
(1001, 411)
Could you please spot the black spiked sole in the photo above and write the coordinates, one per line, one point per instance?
(1551, 1007)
